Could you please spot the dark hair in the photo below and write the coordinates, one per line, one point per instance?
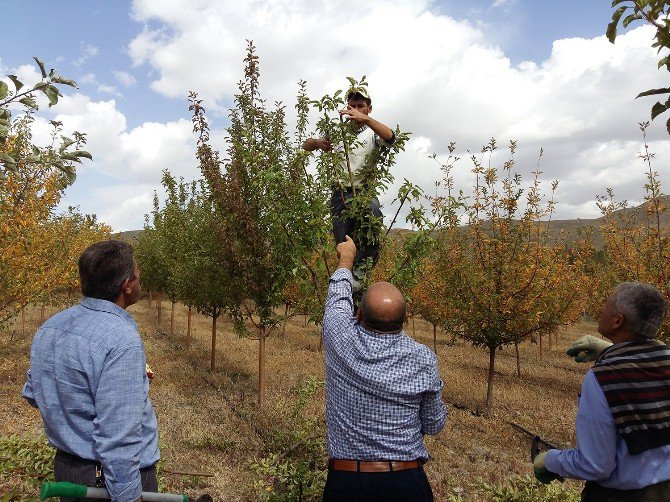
(642, 306)
(103, 267)
(373, 323)
(358, 95)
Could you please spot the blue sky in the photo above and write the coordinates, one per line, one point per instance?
(536, 71)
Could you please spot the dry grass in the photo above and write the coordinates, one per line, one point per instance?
(209, 421)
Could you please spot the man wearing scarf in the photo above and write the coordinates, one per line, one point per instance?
(623, 418)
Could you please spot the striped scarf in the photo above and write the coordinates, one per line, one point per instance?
(635, 377)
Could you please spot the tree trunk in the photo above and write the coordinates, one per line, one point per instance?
(261, 366)
(212, 363)
(435, 338)
(188, 328)
(42, 314)
(159, 307)
(283, 328)
(518, 360)
(172, 319)
(489, 383)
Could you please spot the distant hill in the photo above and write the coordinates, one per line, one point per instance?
(129, 235)
(569, 229)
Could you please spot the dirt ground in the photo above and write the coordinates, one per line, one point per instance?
(209, 421)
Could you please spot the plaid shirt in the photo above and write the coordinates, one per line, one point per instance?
(383, 391)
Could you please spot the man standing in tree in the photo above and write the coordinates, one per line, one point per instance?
(623, 418)
(360, 158)
(383, 394)
(88, 378)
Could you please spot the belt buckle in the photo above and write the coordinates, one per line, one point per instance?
(99, 477)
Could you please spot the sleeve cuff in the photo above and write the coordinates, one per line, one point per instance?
(342, 274)
(551, 462)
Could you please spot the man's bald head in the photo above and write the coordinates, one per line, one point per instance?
(383, 308)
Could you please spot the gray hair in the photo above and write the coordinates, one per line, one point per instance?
(642, 306)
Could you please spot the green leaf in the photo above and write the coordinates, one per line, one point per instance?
(70, 172)
(6, 158)
(657, 109)
(17, 83)
(611, 28)
(70, 156)
(4, 90)
(60, 80)
(40, 63)
(651, 92)
(617, 2)
(11, 167)
(82, 153)
(66, 143)
(629, 19)
(51, 93)
(29, 102)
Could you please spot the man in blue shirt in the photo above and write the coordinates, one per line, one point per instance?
(623, 418)
(87, 377)
(383, 393)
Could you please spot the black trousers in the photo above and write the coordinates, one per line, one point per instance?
(365, 247)
(659, 492)
(410, 485)
(75, 469)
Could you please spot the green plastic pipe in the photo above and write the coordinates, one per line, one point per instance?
(72, 490)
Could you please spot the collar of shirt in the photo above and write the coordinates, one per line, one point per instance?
(377, 334)
(109, 307)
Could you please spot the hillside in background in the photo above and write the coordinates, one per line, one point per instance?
(569, 230)
(129, 235)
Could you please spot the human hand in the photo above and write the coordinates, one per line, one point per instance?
(587, 348)
(351, 113)
(346, 249)
(311, 144)
(540, 470)
(150, 373)
(323, 144)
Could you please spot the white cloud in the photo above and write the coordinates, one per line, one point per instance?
(436, 76)
(132, 202)
(126, 79)
(88, 51)
(504, 3)
(88, 78)
(122, 157)
(109, 89)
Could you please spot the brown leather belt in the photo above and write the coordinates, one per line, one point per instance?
(335, 464)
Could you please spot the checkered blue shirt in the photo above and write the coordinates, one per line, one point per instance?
(383, 391)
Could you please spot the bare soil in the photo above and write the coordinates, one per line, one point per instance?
(209, 421)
